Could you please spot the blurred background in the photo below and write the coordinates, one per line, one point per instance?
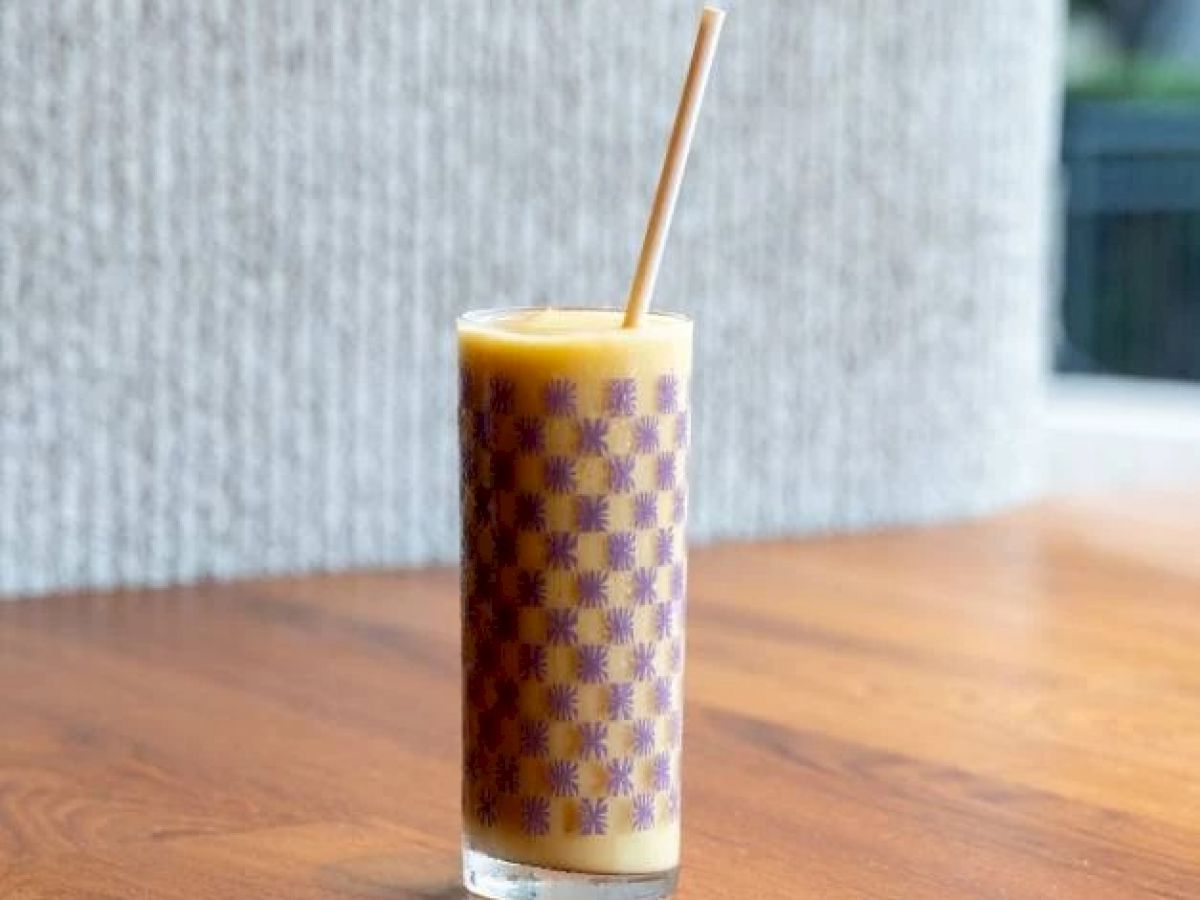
(1127, 303)
(1131, 158)
(943, 258)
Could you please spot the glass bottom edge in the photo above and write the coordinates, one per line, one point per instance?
(498, 879)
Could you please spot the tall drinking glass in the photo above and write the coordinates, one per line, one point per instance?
(574, 436)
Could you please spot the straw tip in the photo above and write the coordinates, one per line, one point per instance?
(713, 13)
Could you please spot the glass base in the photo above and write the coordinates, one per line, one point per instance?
(497, 879)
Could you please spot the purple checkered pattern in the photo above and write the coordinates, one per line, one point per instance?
(573, 572)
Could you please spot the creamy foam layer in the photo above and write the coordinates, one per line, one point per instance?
(566, 321)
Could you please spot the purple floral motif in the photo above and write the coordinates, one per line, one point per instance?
(593, 663)
(673, 803)
(487, 652)
(500, 395)
(664, 620)
(531, 434)
(507, 774)
(563, 700)
(620, 396)
(535, 737)
(645, 587)
(620, 550)
(664, 547)
(645, 435)
(679, 507)
(482, 505)
(643, 737)
(668, 393)
(665, 471)
(678, 582)
(591, 513)
(593, 738)
(485, 807)
(506, 546)
(593, 816)
(643, 662)
(531, 512)
(531, 662)
(662, 694)
(561, 549)
(593, 588)
(535, 815)
(661, 772)
(477, 689)
(645, 510)
(559, 397)
(620, 700)
(531, 587)
(674, 728)
(559, 474)
(476, 763)
(483, 589)
(681, 430)
(508, 697)
(620, 474)
(643, 812)
(504, 471)
(484, 553)
(619, 623)
(476, 509)
(593, 437)
(481, 429)
(470, 469)
(466, 385)
(675, 658)
(563, 776)
(490, 732)
(620, 776)
(561, 625)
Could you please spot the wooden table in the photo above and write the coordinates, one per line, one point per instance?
(1008, 708)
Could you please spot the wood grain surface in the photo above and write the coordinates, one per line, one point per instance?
(1008, 708)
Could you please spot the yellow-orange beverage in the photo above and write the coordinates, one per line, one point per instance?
(574, 435)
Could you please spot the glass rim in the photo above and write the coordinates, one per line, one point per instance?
(489, 315)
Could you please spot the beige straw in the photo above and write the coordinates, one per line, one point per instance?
(671, 175)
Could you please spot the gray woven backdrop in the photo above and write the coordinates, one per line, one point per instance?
(234, 235)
